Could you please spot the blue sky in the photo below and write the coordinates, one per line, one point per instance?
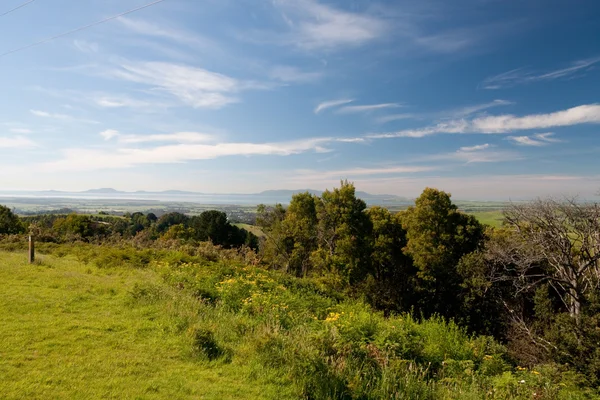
(486, 99)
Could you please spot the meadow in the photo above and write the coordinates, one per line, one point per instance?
(88, 321)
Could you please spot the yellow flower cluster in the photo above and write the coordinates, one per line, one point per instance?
(333, 317)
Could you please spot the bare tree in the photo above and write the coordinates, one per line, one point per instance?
(552, 242)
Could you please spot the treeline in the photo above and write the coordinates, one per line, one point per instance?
(210, 226)
(532, 284)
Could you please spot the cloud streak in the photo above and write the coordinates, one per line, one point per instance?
(185, 149)
(330, 104)
(522, 76)
(538, 140)
(61, 117)
(584, 114)
(315, 26)
(193, 86)
(367, 108)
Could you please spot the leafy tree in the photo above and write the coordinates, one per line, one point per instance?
(438, 237)
(343, 230)
(170, 219)
(9, 222)
(392, 271)
(300, 227)
(75, 226)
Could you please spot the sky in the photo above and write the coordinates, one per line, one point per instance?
(485, 99)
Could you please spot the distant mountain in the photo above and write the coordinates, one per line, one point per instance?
(103, 191)
(288, 193)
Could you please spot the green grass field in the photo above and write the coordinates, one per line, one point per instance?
(492, 218)
(251, 228)
(71, 331)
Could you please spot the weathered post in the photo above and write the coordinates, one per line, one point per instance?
(31, 249)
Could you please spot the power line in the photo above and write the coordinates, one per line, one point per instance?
(81, 28)
(16, 8)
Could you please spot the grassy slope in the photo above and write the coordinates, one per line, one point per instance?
(251, 228)
(71, 331)
(492, 218)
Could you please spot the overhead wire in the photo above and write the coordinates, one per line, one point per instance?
(81, 28)
(17, 8)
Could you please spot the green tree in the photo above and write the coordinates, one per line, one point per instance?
(343, 234)
(300, 227)
(438, 237)
(9, 222)
(393, 272)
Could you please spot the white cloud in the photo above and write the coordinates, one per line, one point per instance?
(45, 114)
(332, 103)
(86, 159)
(523, 76)
(469, 156)
(109, 134)
(122, 101)
(316, 26)
(546, 137)
(526, 141)
(62, 117)
(584, 114)
(17, 142)
(476, 148)
(194, 86)
(367, 108)
(539, 139)
(179, 137)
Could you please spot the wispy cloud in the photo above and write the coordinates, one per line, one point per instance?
(125, 157)
(474, 109)
(352, 173)
(193, 86)
(17, 142)
(315, 26)
(62, 117)
(462, 112)
(332, 103)
(123, 101)
(179, 137)
(584, 114)
(367, 108)
(475, 154)
(526, 141)
(475, 148)
(540, 139)
(523, 76)
(146, 28)
(547, 137)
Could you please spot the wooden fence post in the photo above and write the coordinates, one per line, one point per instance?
(31, 250)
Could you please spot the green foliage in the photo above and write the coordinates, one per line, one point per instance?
(438, 237)
(9, 222)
